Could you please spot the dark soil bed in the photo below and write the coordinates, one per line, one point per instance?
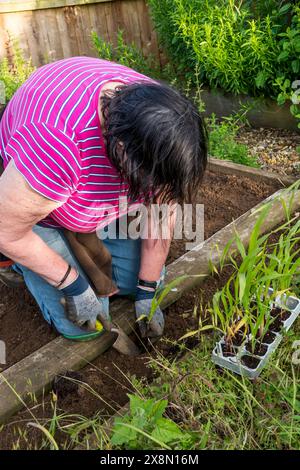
(23, 329)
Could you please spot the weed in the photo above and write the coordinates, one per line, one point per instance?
(145, 427)
(222, 143)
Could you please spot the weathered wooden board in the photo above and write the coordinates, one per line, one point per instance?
(228, 167)
(64, 31)
(34, 374)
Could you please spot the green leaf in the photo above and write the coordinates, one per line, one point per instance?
(135, 402)
(296, 65)
(242, 285)
(284, 9)
(167, 431)
(261, 78)
(150, 408)
(296, 44)
(122, 434)
(284, 55)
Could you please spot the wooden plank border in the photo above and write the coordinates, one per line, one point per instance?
(33, 375)
(228, 167)
(13, 6)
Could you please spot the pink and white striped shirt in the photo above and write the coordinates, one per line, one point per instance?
(52, 131)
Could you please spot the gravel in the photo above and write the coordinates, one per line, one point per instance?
(278, 150)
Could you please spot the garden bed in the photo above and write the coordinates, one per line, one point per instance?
(224, 197)
(107, 375)
(106, 381)
(103, 385)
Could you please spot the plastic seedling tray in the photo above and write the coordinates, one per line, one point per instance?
(234, 362)
(292, 304)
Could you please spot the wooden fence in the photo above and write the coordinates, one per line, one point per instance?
(51, 30)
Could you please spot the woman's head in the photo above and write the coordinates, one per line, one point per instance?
(157, 141)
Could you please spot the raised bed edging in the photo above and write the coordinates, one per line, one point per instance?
(227, 166)
(266, 112)
(34, 374)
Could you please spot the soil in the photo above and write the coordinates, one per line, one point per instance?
(269, 337)
(276, 325)
(280, 316)
(239, 338)
(228, 350)
(259, 349)
(280, 313)
(250, 361)
(24, 330)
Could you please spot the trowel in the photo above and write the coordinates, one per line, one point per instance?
(122, 343)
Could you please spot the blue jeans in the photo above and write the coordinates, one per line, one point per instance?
(125, 268)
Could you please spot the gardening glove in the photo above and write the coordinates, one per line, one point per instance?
(8, 276)
(81, 303)
(154, 327)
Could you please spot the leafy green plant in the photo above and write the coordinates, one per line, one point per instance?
(229, 38)
(236, 305)
(127, 54)
(223, 144)
(146, 428)
(289, 93)
(284, 259)
(287, 82)
(13, 75)
(183, 58)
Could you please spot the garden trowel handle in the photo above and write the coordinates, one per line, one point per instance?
(106, 323)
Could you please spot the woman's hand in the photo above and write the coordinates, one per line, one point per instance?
(153, 327)
(81, 303)
(153, 257)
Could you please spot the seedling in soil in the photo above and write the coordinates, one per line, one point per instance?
(256, 305)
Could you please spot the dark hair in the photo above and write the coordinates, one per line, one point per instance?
(157, 141)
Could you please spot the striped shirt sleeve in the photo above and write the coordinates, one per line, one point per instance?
(48, 159)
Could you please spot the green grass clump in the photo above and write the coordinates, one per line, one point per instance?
(223, 143)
